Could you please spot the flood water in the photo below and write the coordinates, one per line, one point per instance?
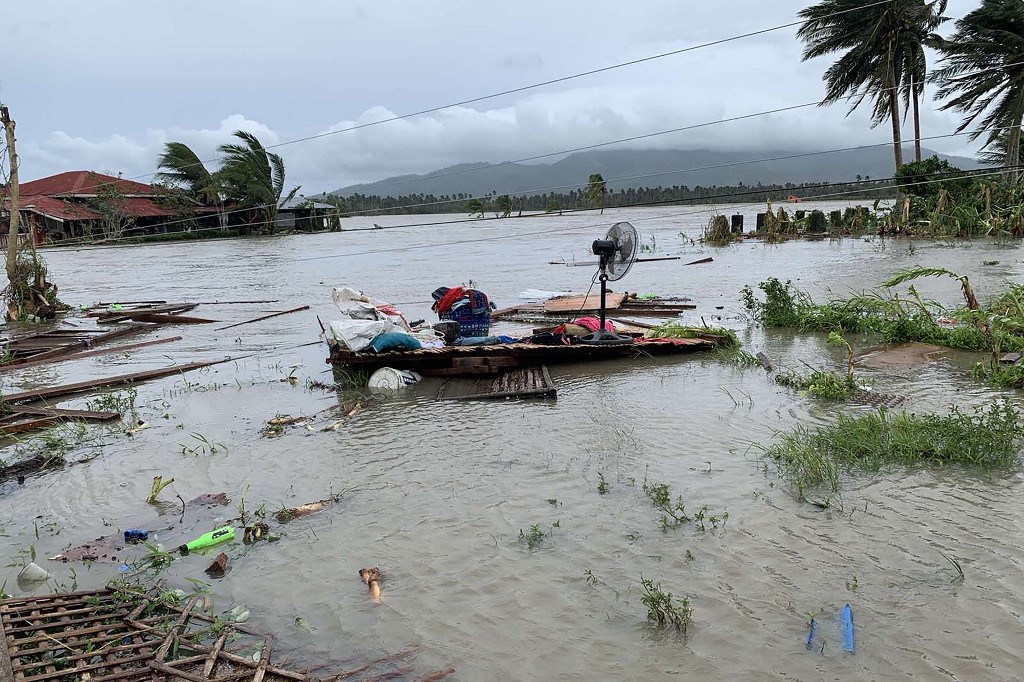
(442, 489)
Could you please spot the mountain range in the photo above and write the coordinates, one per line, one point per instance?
(648, 168)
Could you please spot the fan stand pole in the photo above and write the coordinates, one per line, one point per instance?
(604, 293)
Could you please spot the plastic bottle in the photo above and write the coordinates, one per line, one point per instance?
(209, 539)
(134, 536)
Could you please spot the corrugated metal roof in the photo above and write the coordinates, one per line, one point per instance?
(83, 182)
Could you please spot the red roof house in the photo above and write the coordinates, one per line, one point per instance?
(85, 204)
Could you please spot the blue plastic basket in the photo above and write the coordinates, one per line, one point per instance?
(470, 324)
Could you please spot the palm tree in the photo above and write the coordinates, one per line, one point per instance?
(254, 178)
(983, 75)
(597, 188)
(994, 153)
(882, 53)
(182, 167)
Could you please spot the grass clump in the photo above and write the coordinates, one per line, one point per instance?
(663, 608)
(819, 383)
(896, 317)
(811, 457)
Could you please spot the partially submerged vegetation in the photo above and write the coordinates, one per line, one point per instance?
(814, 457)
(900, 318)
(664, 609)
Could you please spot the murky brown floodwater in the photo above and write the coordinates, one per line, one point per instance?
(448, 486)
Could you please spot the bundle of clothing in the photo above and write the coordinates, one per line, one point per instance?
(373, 325)
(449, 299)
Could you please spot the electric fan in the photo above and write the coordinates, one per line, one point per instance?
(616, 253)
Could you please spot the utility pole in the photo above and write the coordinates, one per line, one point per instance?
(12, 193)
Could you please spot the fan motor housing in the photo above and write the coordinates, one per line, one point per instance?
(604, 247)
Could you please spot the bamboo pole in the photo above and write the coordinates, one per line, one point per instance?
(12, 192)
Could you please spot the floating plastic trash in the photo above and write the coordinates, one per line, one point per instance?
(391, 379)
(208, 539)
(811, 627)
(846, 623)
(32, 574)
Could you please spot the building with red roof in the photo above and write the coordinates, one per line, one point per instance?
(89, 204)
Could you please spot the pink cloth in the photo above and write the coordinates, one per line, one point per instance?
(593, 324)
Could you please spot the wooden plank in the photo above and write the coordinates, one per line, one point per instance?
(265, 317)
(161, 318)
(32, 424)
(532, 382)
(168, 308)
(571, 304)
(6, 671)
(35, 361)
(64, 414)
(70, 389)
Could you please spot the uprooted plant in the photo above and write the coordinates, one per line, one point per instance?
(811, 457)
(663, 608)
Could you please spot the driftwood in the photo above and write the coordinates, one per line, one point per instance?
(70, 389)
(308, 509)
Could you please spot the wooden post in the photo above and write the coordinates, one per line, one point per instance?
(12, 193)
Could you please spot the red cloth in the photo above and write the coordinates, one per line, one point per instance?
(445, 303)
(593, 324)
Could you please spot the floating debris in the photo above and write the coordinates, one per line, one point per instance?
(371, 577)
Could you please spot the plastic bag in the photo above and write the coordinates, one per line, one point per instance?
(356, 335)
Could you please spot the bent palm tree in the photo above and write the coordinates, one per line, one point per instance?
(182, 167)
(983, 75)
(254, 178)
(877, 43)
(994, 153)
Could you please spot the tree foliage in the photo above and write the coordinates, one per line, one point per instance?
(982, 75)
(881, 48)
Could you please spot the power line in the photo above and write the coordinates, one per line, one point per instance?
(972, 174)
(695, 126)
(531, 192)
(534, 86)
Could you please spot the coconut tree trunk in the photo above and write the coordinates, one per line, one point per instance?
(894, 116)
(12, 193)
(1013, 141)
(917, 122)
(1013, 152)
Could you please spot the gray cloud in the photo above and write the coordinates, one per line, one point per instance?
(110, 85)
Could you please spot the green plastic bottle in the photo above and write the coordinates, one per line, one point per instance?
(209, 539)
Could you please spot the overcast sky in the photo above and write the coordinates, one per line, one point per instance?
(102, 85)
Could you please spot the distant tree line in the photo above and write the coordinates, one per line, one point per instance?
(596, 195)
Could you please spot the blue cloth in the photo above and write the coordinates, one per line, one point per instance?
(484, 340)
(389, 341)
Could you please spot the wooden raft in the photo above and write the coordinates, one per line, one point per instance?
(470, 360)
(105, 636)
(565, 308)
(532, 382)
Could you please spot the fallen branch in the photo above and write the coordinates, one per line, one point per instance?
(265, 317)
